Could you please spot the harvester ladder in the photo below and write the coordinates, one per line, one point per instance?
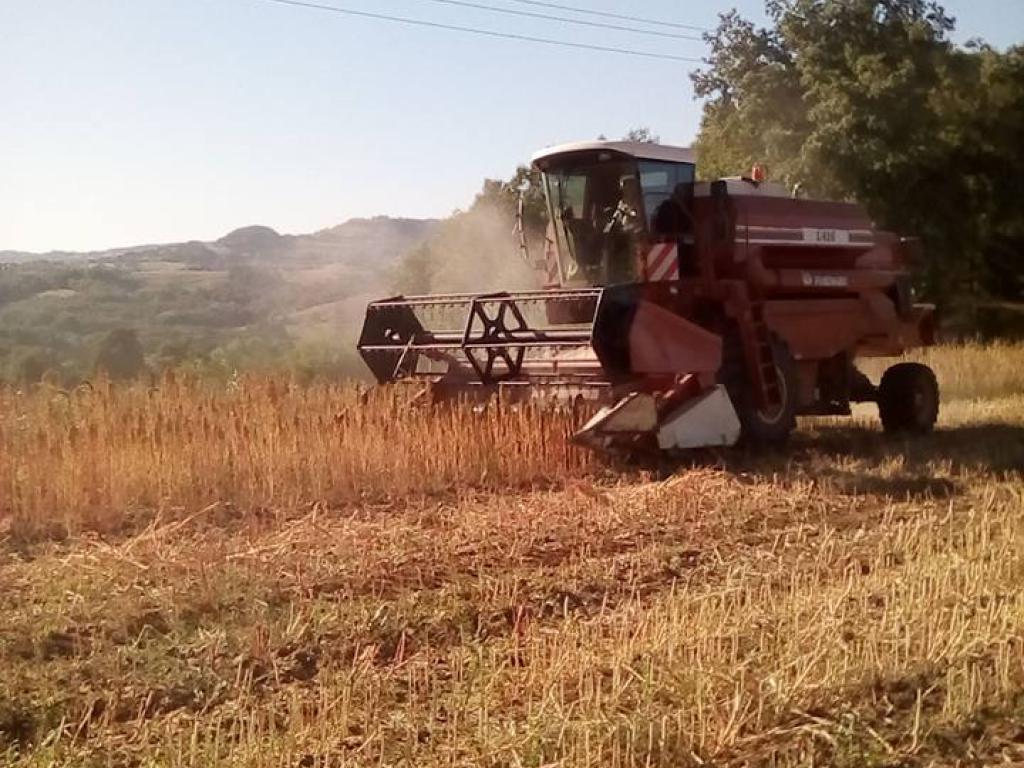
(758, 343)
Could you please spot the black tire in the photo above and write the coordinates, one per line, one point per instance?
(908, 399)
(757, 428)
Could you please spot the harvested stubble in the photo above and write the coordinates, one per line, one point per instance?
(707, 618)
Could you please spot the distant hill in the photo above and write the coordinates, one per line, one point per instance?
(255, 238)
(250, 297)
(381, 239)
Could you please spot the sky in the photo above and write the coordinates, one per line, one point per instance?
(125, 122)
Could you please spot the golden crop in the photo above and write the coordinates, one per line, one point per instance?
(92, 458)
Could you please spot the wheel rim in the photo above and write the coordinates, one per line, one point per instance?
(773, 417)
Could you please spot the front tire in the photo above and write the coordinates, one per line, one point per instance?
(908, 399)
(759, 428)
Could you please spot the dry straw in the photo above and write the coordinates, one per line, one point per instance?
(98, 456)
(89, 458)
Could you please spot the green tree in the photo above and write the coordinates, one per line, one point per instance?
(642, 134)
(120, 355)
(415, 273)
(31, 365)
(503, 197)
(989, 118)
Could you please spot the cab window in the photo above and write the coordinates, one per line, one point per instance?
(596, 205)
(666, 191)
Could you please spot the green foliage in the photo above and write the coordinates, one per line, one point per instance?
(869, 100)
(504, 199)
(30, 365)
(253, 299)
(120, 355)
(643, 134)
(415, 274)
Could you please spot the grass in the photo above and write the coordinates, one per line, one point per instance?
(852, 601)
(967, 371)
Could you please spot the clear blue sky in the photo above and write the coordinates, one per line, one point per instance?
(136, 121)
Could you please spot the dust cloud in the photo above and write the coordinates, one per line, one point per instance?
(473, 252)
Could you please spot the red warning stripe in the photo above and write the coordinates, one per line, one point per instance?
(659, 260)
(663, 262)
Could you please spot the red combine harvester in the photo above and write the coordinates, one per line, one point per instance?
(698, 313)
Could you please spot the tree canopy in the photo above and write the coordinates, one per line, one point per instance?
(121, 355)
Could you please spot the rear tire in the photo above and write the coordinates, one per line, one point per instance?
(908, 399)
(758, 428)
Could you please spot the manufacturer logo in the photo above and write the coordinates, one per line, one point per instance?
(811, 280)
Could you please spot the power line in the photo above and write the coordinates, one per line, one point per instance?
(484, 32)
(657, 22)
(565, 20)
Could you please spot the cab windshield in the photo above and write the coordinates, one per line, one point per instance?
(605, 205)
(597, 207)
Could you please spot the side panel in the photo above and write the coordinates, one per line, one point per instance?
(817, 329)
(867, 325)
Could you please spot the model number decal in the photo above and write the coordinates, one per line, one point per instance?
(827, 236)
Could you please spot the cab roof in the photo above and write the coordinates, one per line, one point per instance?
(638, 149)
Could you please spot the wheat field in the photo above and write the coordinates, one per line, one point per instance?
(95, 458)
(271, 575)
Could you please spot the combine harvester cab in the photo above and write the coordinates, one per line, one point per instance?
(697, 313)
